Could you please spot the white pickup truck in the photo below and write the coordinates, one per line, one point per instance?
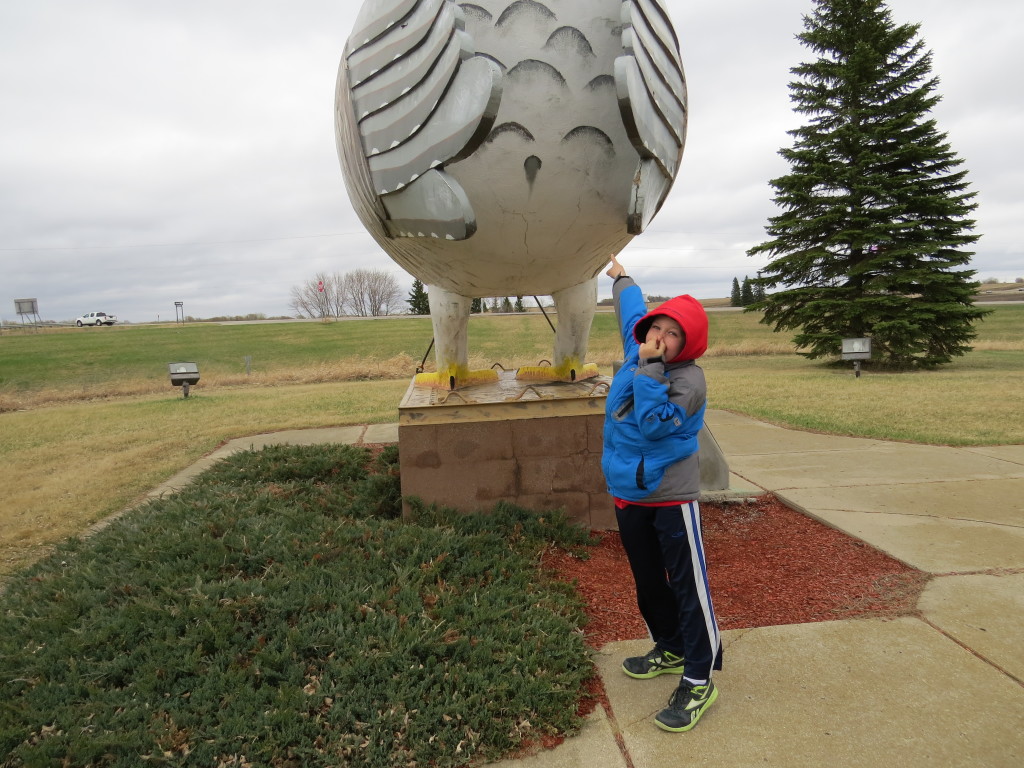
(95, 318)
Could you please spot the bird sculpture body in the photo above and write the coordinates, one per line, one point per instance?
(507, 147)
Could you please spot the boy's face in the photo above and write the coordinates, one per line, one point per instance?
(666, 336)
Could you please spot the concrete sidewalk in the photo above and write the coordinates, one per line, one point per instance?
(943, 688)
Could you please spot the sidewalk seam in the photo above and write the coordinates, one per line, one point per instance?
(620, 740)
(971, 651)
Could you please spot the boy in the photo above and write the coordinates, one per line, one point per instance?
(655, 409)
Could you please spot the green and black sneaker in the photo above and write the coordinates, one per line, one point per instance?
(685, 706)
(657, 662)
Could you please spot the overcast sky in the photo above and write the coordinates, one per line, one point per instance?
(153, 152)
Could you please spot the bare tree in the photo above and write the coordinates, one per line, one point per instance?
(353, 299)
(314, 297)
(370, 292)
(361, 292)
(335, 287)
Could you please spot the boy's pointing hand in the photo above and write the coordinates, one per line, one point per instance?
(616, 269)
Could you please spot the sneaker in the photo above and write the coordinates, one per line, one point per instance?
(655, 663)
(685, 706)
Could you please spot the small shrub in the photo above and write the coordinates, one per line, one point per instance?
(278, 612)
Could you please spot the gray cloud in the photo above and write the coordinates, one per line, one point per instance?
(184, 151)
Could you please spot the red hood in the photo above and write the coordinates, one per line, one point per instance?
(690, 315)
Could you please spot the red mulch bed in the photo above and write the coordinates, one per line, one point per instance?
(767, 564)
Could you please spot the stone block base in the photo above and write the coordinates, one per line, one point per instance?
(533, 444)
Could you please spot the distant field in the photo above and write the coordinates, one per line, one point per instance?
(82, 363)
(1001, 292)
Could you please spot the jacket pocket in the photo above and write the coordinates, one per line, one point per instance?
(625, 476)
(640, 475)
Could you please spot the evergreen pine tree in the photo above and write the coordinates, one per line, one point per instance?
(419, 304)
(735, 298)
(746, 292)
(477, 306)
(875, 207)
(519, 304)
(759, 291)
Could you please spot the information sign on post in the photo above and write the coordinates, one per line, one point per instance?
(26, 306)
(28, 310)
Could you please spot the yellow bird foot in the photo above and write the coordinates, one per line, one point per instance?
(563, 372)
(455, 379)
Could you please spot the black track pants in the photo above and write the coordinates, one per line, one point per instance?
(666, 554)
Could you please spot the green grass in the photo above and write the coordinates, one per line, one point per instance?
(94, 362)
(277, 612)
(90, 357)
(1004, 324)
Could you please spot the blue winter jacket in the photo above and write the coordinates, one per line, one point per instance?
(655, 409)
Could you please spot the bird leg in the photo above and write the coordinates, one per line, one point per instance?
(449, 313)
(575, 307)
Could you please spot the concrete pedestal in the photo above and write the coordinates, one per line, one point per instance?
(533, 444)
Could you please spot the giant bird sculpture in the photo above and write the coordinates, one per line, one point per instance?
(500, 148)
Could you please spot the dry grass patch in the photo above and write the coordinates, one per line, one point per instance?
(1004, 345)
(66, 467)
(750, 349)
(349, 369)
(961, 404)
